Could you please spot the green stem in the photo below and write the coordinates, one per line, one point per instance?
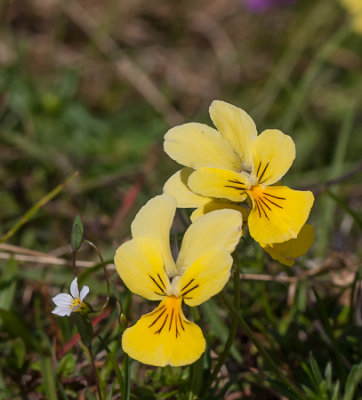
(233, 329)
(261, 349)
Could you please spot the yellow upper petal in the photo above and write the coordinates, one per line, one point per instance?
(164, 337)
(139, 264)
(287, 251)
(196, 145)
(176, 186)
(219, 229)
(278, 213)
(220, 183)
(205, 277)
(273, 155)
(237, 127)
(154, 221)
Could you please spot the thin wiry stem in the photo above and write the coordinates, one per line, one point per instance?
(104, 270)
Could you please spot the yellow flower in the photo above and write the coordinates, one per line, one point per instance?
(355, 9)
(233, 163)
(145, 264)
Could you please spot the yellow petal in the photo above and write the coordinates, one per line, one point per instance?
(278, 213)
(220, 229)
(287, 251)
(273, 155)
(205, 277)
(176, 186)
(139, 264)
(164, 337)
(237, 127)
(220, 183)
(215, 204)
(196, 145)
(154, 221)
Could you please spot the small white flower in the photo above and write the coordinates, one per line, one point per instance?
(68, 303)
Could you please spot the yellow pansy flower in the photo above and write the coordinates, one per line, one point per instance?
(146, 266)
(355, 9)
(233, 163)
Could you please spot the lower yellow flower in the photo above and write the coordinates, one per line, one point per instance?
(201, 270)
(171, 338)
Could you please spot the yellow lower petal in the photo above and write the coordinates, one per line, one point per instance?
(213, 205)
(286, 252)
(164, 337)
(220, 183)
(177, 187)
(278, 213)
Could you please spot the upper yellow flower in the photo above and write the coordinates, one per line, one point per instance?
(355, 9)
(145, 264)
(234, 163)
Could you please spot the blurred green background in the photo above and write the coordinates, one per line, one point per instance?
(93, 86)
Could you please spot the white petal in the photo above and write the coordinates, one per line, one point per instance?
(62, 311)
(74, 291)
(84, 292)
(63, 300)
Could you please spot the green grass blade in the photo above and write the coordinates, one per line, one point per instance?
(48, 378)
(354, 379)
(8, 284)
(36, 207)
(117, 370)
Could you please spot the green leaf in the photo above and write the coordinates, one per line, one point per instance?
(76, 237)
(84, 327)
(66, 365)
(335, 393)
(328, 375)
(20, 352)
(126, 395)
(8, 284)
(48, 378)
(354, 378)
(315, 368)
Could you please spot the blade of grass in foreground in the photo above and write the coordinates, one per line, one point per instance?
(48, 378)
(36, 207)
(336, 168)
